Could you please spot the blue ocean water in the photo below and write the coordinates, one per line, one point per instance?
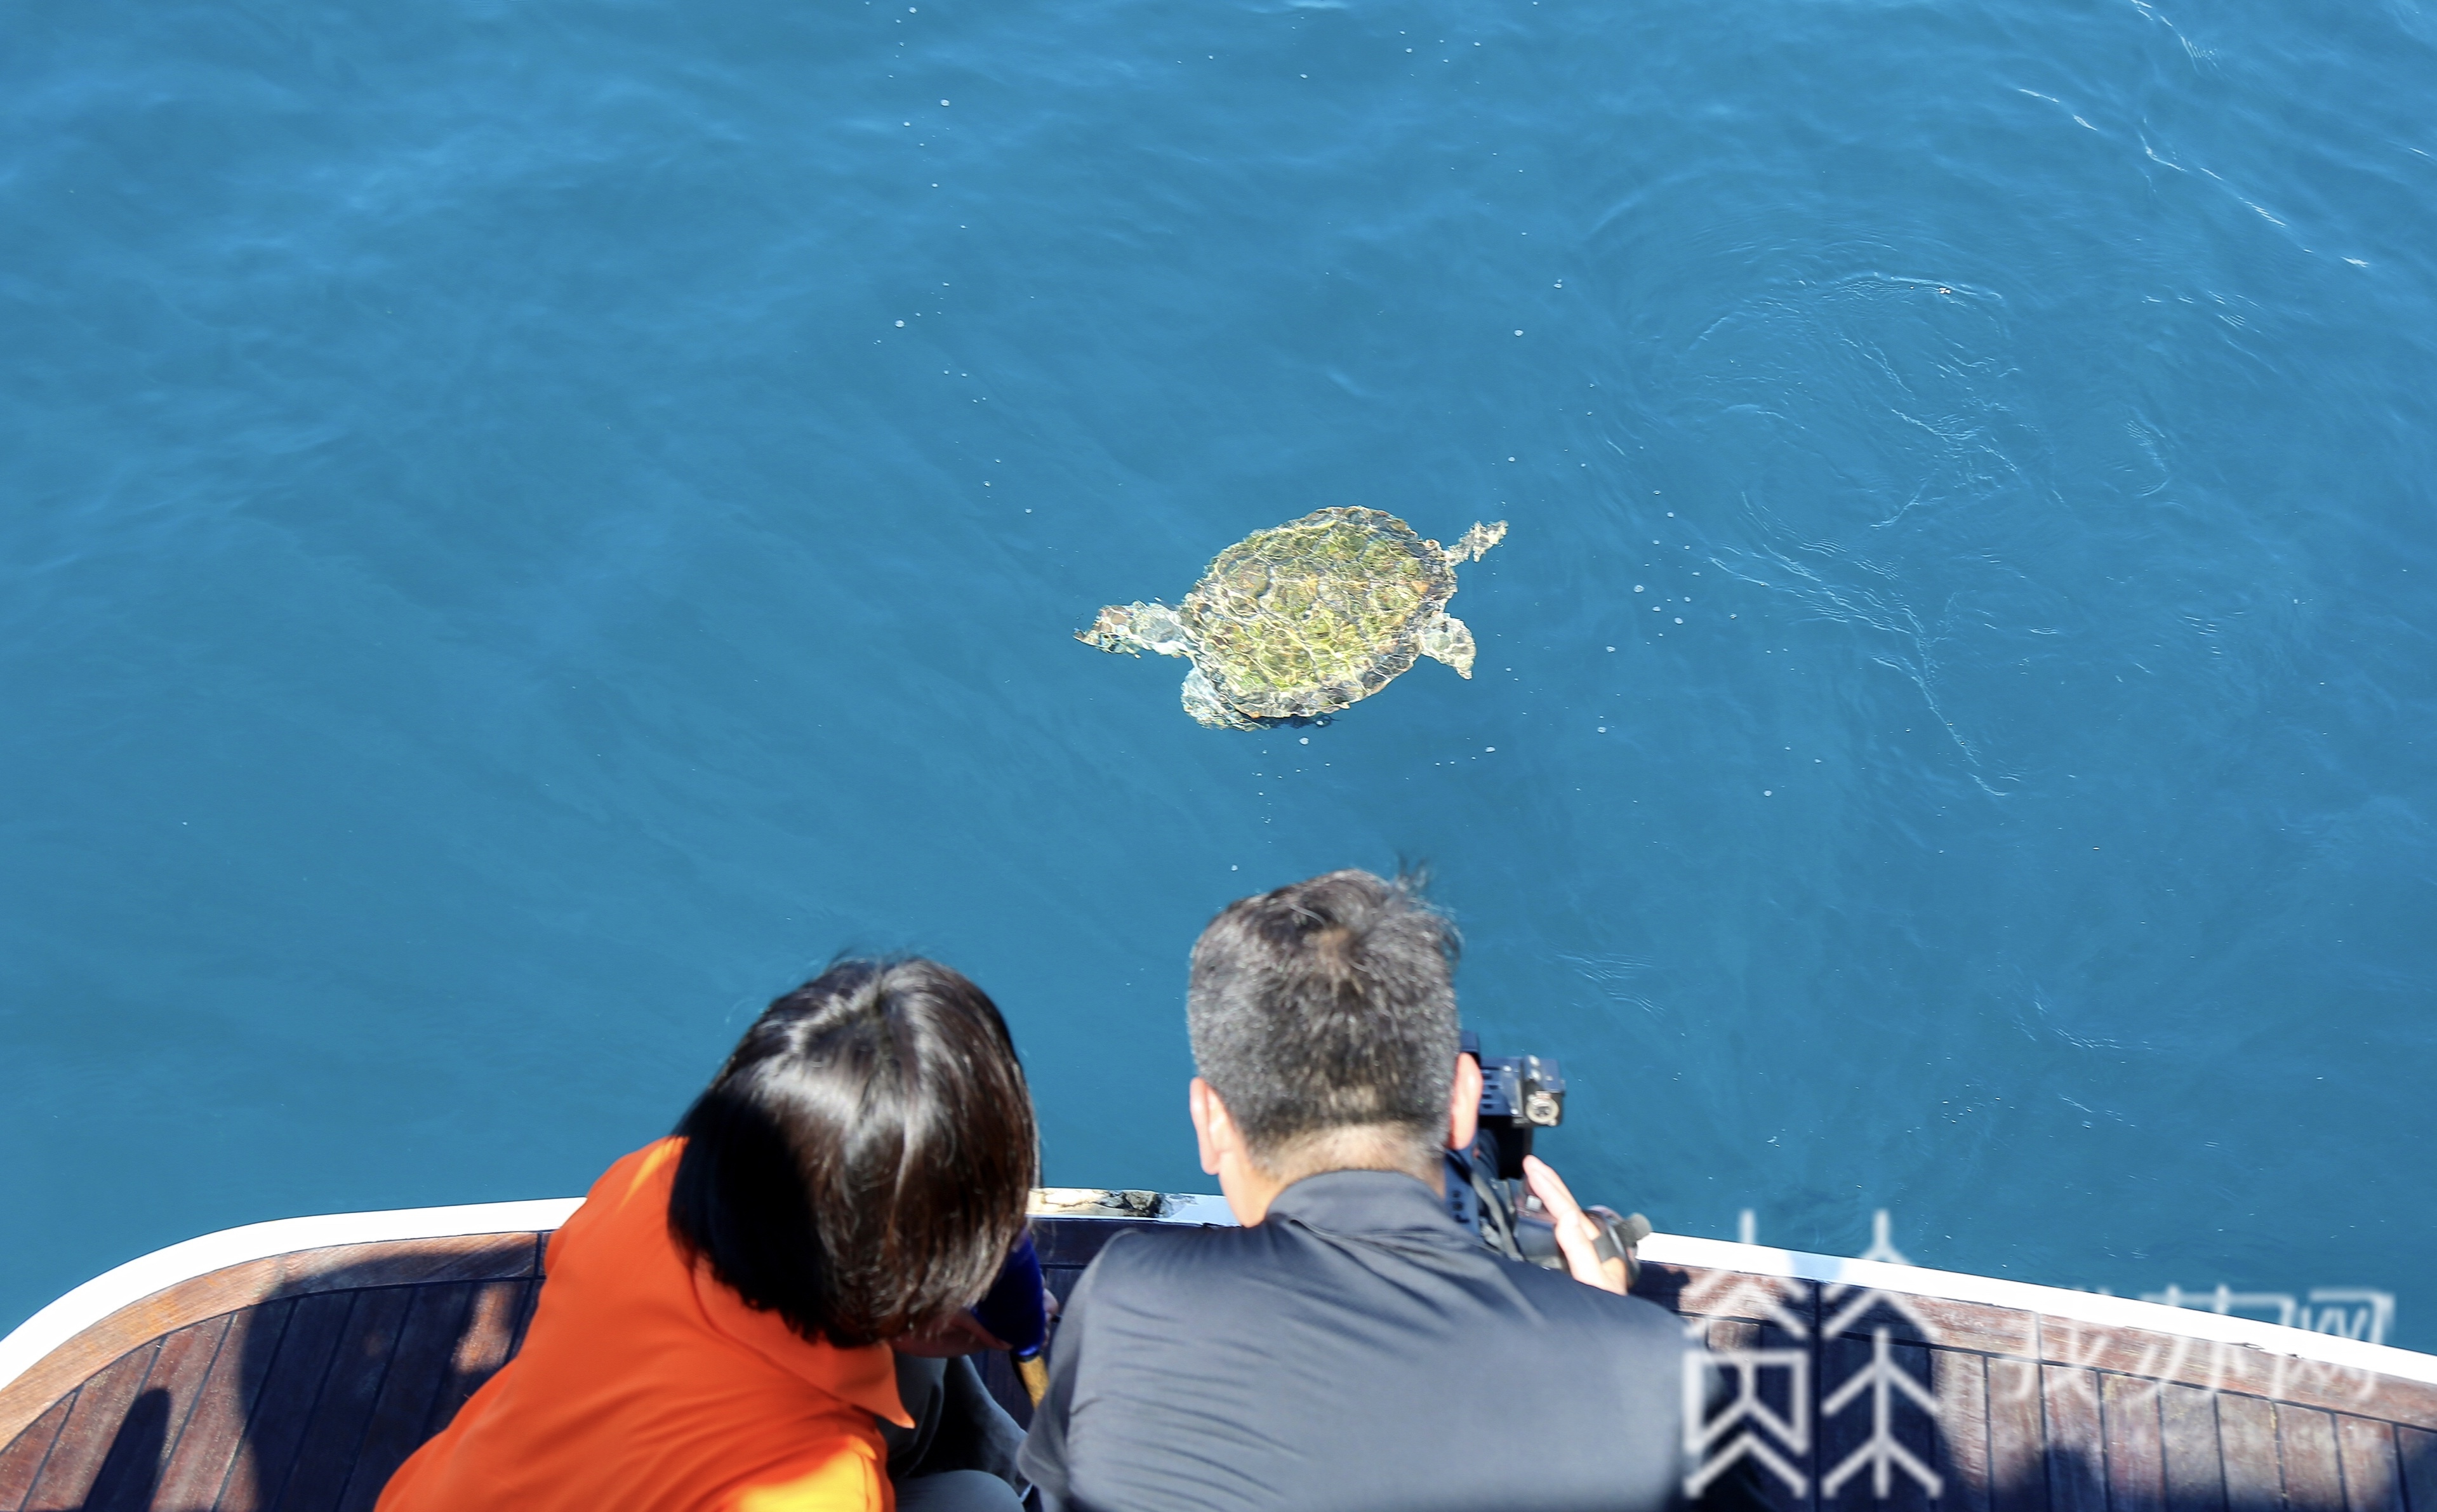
(529, 525)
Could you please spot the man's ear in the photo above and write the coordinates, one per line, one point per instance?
(1463, 1104)
(1213, 1130)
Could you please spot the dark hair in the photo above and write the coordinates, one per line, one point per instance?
(860, 1165)
(1326, 1004)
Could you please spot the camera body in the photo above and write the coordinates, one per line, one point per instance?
(1520, 1095)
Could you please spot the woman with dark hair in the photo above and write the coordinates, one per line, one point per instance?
(736, 1312)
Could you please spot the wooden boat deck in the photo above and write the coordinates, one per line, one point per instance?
(299, 1383)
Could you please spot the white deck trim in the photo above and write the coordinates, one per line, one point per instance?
(139, 1278)
(162, 1269)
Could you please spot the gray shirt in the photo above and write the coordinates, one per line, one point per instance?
(1355, 1351)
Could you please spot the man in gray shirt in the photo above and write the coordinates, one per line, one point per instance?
(1351, 1347)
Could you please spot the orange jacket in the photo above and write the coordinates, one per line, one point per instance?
(644, 1385)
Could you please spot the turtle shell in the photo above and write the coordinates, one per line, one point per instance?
(1306, 618)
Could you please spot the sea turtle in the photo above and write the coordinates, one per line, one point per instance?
(1298, 621)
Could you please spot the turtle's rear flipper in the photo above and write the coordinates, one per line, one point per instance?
(1477, 542)
(1445, 639)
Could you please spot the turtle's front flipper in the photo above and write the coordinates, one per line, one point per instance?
(1203, 702)
(1446, 640)
(1134, 628)
(1477, 542)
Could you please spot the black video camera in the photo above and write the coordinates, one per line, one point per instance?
(1521, 1094)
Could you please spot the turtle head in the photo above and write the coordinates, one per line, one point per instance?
(1134, 628)
(1112, 631)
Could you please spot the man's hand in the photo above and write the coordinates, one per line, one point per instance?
(1577, 1232)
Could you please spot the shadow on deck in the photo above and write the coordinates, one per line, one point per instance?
(308, 1398)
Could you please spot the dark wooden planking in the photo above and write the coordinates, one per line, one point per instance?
(292, 1378)
(344, 1410)
(1961, 1383)
(2237, 1368)
(22, 1461)
(2305, 1441)
(527, 1304)
(426, 1343)
(131, 1465)
(2136, 1449)
(1792, 1306)
(1983, 1329)
(2018, 1476)
(131, 1473)
(2372, 1483)
(1846, 1436)
(2418, 1447)
(1836, 1360)
(2334, 1388)
(337, 1267)
(2069, 1402)
(1774, 1387)
(2125, 1351)
(1931, 1320)
(1731, 1310)
(485, 1343)
(2246, 1431)
(2342, 1389)
(185, 1419)
(1724, 1333)
(1916, 1429)
(2195, 1469)
(91, 1430)
(207, 1445)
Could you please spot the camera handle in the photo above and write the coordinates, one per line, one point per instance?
(1486, 1204)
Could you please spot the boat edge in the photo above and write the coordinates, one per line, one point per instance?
(2101, 1308)
(125, 1285)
